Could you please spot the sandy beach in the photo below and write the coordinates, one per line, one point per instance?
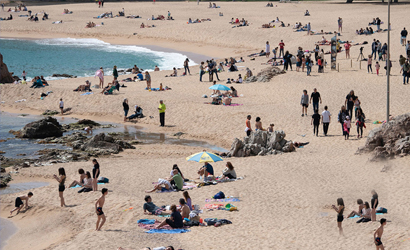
(285, 199)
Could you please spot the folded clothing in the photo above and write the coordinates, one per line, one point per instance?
(146, 221)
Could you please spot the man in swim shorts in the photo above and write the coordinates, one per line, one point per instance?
(378, 235)
(98, 209)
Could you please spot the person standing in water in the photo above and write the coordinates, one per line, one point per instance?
(61, 186)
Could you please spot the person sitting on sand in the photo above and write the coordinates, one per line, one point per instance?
(184, 209)
(248, 73)
(175, 166)
(220, 67)
(258, 124)
(359, 211)
(188, 200)
(174, 73)
(165, 185)
(239, 80)
(142, 25)
(366, 213)
(307, 13)
(19, 203)
(234, 92)
(82, 177)
(137, 113)
(206, 170)
(87, 185)
(151, 209)
(175, 221)
(229, 171)
(226, 100)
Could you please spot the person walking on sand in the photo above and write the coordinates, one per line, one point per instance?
(186, 67)
(248, 128)
(162, 109)
(374, 48)
(61, 186)
(96, 174)
(360, 117)
(126, 108)
(201, 71)
(19, 203)
(403, 34)
(377, 67)
(339, 210)
(369, 64)
(378, 235)
(100, 75)
(374, 202)
(99, 210)
(346, 128)
(349, 102)
(326, 116)
(267, 49)
(315, 96)
(61, 105)
(308, 27)
(340, 24)
(315, 122)
(304, 102)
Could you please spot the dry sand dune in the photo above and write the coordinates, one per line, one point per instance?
(286, 198)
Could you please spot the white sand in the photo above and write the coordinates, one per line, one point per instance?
(285, 197)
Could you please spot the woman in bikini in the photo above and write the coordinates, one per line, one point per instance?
(339, 210)
(61, 186)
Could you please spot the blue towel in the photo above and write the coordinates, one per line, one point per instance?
(78, 186)
(88, 93)
(146, 221)
(167, 231)
(359, 216)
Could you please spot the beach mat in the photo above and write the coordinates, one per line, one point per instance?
(233, 199)
(167, 231)
(146, 221)
(359, 216)
(153, 226)
(78, 186)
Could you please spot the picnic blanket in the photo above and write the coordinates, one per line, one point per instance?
(167, 231)
(232, 199)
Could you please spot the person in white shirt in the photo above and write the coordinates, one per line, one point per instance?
(326, 120)
(267, 49)
(62, 106)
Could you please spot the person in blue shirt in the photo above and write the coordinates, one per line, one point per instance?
(206, 170)
(140, 76)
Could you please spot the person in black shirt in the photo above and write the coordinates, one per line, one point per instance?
(315, 96)
(175, 221)
(126, 108)
(315, 122)
(403, 37)
(349, 102)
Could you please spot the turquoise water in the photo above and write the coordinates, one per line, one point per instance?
(79, 57)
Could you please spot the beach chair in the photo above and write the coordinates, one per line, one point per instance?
(110, 91)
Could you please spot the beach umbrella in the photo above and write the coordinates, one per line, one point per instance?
(204, 157)
(219, 87)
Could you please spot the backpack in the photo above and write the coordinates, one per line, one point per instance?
(381, 210)
(219, 195)
(102, 180)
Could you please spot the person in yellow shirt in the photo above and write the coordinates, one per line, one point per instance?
(162, 109)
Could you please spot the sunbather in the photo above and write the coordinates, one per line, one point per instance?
(175, 221)
(151, 209)
(82, 177)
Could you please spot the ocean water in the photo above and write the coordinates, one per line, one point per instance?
(80, 57)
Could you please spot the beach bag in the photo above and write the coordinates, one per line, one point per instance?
(219, 195)
(381, 210)
(102, 180)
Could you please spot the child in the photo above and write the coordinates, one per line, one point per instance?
(89, 129)
(160, 87)
(346, 127)
(270, 128)
(339, 210)
(315, 122)
(379, 233)
(377, 66)
(19, 202)
(98, 209)
(62, 106)
(187, 199)
(304, 101)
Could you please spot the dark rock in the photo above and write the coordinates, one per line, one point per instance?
(5, 76)
(50, 112)
(64, 75)
(88, 122)
(43, 128)
(4, 180)
(266, 74)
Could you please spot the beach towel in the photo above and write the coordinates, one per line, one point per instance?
(167, 231)
(146, 221)
(88, 93)
(233, 105)
(78, 186)
(356, 216)
(153, 226)
(213, 206)
(232, 199)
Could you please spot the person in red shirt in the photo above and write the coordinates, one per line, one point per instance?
(281, 48)
(347, 48)
(319, 63)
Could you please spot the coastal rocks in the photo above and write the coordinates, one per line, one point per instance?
(50, 112)
(261, 143)
(47, 127)
(4, 180)
(64, 75)
(82, 124)
(389, 140)
(266, 74)
(105, 144)
(5, 76)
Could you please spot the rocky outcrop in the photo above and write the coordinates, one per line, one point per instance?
(266, 75)
(64, 75)
(390, 139)
(261, 143)
(80, 125)
(47, 127)
(5, 76)
(105, 144)
(50, 112)
(4, 179)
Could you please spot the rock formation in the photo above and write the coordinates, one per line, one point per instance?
(47, 127)
(261, 143)
(390, 139)
(105, 144)
(266, 74)
(5, 76)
